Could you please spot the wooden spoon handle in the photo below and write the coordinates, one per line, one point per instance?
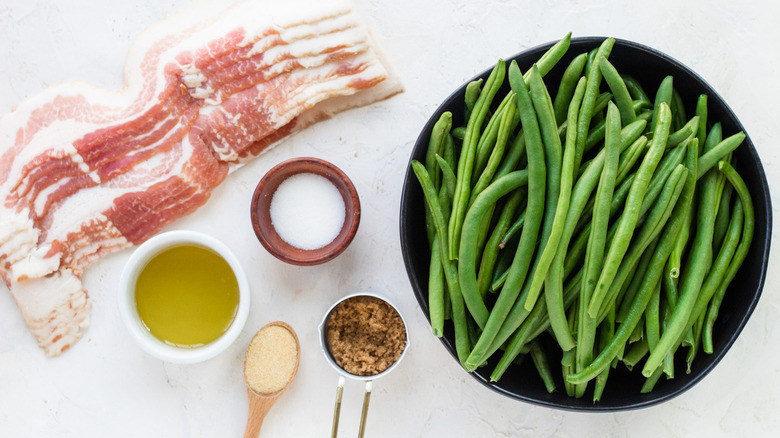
(258, 408)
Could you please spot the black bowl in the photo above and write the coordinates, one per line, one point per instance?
(622, 392)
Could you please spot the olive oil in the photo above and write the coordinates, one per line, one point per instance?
(187, 296)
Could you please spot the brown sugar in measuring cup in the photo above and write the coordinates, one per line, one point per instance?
(363, 337)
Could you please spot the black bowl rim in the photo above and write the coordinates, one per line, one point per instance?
(765, 197)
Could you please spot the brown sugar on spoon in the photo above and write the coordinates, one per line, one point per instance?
(365, 335)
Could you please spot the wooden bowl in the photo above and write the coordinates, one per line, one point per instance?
(261, 215)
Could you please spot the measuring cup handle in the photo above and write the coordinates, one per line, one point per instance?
(337, 408)
(364, 414)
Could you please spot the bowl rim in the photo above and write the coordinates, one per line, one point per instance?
(266, 233)
(129, 314)
(757, 240)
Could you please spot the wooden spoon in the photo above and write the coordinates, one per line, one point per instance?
(259, 402)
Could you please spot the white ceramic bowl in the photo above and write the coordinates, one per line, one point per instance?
(129, 313)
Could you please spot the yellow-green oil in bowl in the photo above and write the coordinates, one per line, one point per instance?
(187, 296)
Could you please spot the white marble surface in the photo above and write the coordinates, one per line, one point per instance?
(106, 386)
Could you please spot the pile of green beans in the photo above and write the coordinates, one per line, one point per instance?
(597, 221)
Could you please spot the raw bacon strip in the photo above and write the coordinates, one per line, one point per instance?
(86, 171)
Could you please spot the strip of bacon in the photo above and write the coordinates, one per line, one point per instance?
(86, 171)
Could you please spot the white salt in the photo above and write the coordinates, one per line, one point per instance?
(307, 211)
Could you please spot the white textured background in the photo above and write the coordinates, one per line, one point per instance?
(105, 386)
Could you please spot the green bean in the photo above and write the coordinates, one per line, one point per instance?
(722, 218)
(438, 299)
(570, 293)
(559, 183)
(632, 154)
(591, 58)
(623, 181)
(647, 116)
(719, 228)
(513, 230)
(721, 182)
(467, 256)
(490, 253)
(678, 110)
(467, 156)
(638, 351)
(520, 338)
(554, 280)
(668, 366)
(663, 95)
(437, 282)
(505, 258)
(701, 113)
(651, 381)
(631, 213)
(641, 106)
(664, 169)
(622, 97)
(448, 176)
(483, 230)
(505, 128)
(635, 89)
(633, 287)
(542, 367)
(670, 285)
(596, 133)
(606, 331)
(567, 368)
(696, 342)
(586, 110)
(740, 253)
(675, 258)
(534, 211)
(594, 254)
(699, 261)
(597, 129)
(571, 77)
(436, 290)
(450, 157)
(551, 57)
(473, 89)
(439, 133)
(631, 133)
(712, 156)
(462, 345)
(653, 318)
(459, 132)
(683, 133)
(513, 156)
(639, 333)
(487, 140)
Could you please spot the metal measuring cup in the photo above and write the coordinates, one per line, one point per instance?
(343, 374)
